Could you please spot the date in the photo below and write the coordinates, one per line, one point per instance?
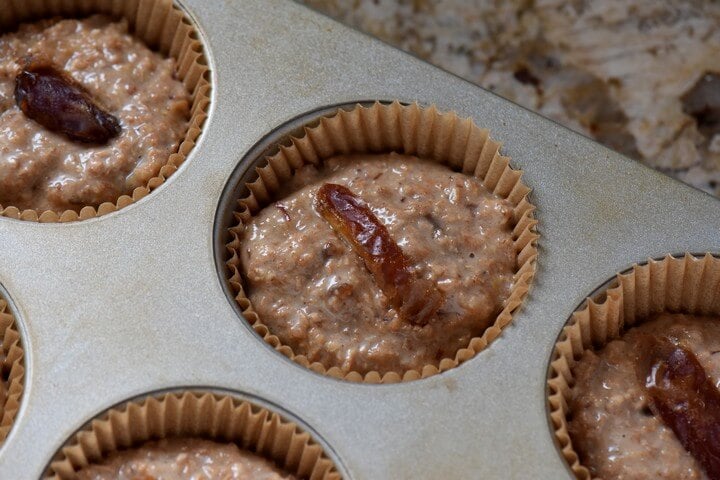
(684, 398)
(416, 299)
(57, 102)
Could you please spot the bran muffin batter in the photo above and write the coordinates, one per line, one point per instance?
(612, 427)
(316, 295)
(42, 170)
(184, 459)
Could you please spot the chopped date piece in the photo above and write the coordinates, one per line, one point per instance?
(54, 100)
(683, 396)
(416, 299)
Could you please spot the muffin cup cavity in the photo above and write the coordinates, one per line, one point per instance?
(427, 133)
(688, 284)
(212, 416)
(12, 370)
(163, 27)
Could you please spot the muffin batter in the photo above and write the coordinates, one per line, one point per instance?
(612, 427)
(316, 295)
(183, 459)
(43, 170)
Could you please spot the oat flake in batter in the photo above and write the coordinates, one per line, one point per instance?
(316, 295)
(42, 170)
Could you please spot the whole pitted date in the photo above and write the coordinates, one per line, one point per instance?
(684, 398)
(54, 100)
(416, 299)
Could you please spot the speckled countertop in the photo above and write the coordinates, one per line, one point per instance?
(636, 75)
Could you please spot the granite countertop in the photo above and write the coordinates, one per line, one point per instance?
(640, 76)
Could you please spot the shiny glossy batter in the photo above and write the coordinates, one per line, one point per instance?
(47, 171)
(184, 459)
(612, 427)
(317, 296)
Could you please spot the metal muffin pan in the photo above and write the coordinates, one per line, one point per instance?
(132, 302)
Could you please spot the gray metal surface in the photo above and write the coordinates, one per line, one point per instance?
(132, 302)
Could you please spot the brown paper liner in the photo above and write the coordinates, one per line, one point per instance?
(688, 285)
(12, 370)
(163, 27)
(221, 418)
(425, 132)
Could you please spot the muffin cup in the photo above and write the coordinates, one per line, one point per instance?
(412, 130)
(217, 417)
(163, 27)
(12, 370)
(688, 285)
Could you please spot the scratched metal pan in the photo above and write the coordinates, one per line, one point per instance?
(134, 301)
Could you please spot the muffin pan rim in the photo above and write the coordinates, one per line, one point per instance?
(412, 417)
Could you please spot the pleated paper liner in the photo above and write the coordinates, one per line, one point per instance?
(163, 27)
(688, 285)
(221, 418)
(424, 132)
(12, 370)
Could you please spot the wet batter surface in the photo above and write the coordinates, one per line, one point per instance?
(184, 459)
(612, 427)
(316, 295)
(43, 170)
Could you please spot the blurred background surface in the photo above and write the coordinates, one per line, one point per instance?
(640, 76)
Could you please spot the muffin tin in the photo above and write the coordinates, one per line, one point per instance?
(136, 301)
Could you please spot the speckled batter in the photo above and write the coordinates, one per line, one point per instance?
(316, 295)
(612, 427)
(46, 171)
(184, 459)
